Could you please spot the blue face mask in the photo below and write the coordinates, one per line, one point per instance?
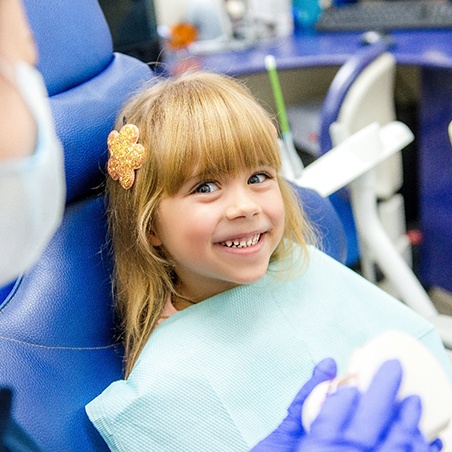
(32, 189)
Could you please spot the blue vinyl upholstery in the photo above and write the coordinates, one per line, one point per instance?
(58, 342)
(323, 216)
(57, 330)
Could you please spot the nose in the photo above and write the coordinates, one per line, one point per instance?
(241, 204)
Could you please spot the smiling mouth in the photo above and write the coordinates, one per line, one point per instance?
(242, 242)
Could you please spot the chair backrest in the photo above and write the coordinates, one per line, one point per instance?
(58, 342)
(328, 226)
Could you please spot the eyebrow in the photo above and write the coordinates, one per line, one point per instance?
(203, 175)
(212, 174)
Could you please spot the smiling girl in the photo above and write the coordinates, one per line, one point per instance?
(208, 209)
(226, 306)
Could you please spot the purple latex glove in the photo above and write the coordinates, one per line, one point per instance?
(351, 421)
(287, 436)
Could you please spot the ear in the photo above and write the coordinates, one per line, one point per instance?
(154, 239)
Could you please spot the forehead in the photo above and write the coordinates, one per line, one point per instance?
(224, 161)
(207, 127)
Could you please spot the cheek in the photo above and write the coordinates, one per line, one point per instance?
(183, 230)
(200, 228)
(278, 217)
(282, 223)
(277, 210)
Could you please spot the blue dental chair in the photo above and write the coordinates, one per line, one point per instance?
(57, 336)
(58, 342)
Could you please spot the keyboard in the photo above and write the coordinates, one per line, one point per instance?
(383, 15)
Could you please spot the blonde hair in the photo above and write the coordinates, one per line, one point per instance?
(197, 120)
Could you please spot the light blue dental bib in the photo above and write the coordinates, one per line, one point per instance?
(219, 376)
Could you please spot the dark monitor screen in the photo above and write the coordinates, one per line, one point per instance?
(133, 26)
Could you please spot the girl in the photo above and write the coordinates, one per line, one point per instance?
(206, 232)
(185, 153)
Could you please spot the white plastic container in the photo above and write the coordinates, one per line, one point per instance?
(270, 18)
(422, 375)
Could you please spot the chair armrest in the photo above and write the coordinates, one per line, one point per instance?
(354, 157)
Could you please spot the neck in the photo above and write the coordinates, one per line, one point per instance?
(180, 303)
(199, 290)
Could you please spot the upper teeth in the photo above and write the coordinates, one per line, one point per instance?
(242, 243)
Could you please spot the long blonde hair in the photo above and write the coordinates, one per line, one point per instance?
(201, 120)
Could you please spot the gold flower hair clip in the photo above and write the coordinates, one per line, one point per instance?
(126, 155)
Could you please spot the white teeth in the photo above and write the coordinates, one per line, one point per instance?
(242, 243)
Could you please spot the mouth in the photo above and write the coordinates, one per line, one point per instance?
(242, 242)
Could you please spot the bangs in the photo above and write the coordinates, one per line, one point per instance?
(214, 130)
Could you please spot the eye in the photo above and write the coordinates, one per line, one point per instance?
(206, 187)
(258, 178)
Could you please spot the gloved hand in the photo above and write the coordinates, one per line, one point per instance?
(287, 436)
(350, 421)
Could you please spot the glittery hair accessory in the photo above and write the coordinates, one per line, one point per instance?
(126, 155)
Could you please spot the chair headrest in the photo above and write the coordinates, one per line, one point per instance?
(85, 115)
(73, 40)
(86, 81)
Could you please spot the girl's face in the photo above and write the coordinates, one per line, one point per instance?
(221, 232)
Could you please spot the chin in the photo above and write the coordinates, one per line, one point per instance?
(251, 278)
